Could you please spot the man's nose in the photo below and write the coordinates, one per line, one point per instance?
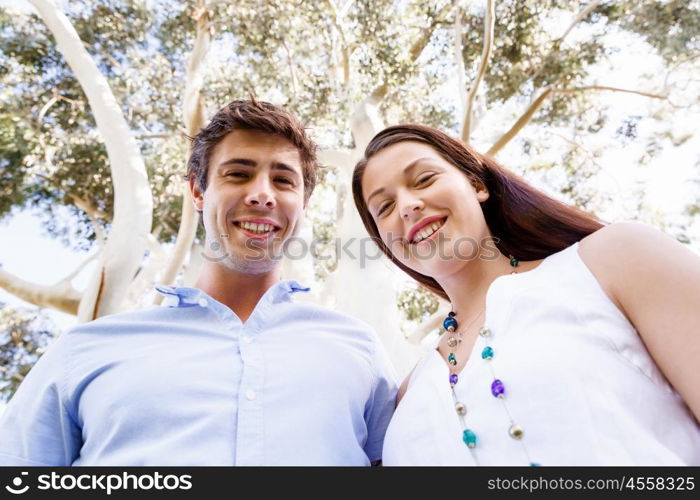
(261, 194)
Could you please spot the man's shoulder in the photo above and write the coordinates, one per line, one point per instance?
(316, 312)
(118, 321)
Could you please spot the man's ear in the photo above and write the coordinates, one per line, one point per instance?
(197, 195)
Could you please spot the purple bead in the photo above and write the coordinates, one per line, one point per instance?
(453, 378)
(498, 389)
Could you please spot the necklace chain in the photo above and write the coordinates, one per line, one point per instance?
(497, 387)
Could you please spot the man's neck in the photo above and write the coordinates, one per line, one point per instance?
(239, 291)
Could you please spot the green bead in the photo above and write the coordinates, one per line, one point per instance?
(469, 438)
(514, 262)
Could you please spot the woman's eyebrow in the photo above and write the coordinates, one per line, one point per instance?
(406, 169)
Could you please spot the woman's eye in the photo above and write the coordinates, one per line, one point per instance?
(383, 208)
(425, 179)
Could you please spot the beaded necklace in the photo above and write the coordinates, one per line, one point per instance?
(498, 389)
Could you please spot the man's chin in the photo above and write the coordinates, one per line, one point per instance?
(251, 264)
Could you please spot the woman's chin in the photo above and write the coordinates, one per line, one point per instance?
(438, 266)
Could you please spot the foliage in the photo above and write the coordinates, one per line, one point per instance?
(24, 335)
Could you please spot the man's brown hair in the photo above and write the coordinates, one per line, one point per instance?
(252, 115)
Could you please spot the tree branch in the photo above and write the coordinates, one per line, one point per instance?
(18, 377)
(293, 73)
(365, 121)
(61, 296)
(344, 49)
(92, 212)
(78, 269)
(537, 103)
(489, 22)
(154, 136)
(417, 48)
(45, 108)
(520, 123)
(557, 43)
(54, 99)
(459, 61)
(580, 17)
(613, 89)
(193, 114)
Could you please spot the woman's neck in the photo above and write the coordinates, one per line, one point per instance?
(467, 287)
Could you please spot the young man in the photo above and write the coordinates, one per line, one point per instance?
(233, 371)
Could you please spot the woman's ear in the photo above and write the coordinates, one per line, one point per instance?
(482, 194)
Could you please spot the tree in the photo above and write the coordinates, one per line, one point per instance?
(521, 79)
(24, 335)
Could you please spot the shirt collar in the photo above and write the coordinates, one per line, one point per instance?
(183, 296)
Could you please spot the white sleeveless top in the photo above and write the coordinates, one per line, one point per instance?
(577, 376)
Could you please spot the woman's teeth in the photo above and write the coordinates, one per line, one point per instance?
(427, 231)
(256, 228)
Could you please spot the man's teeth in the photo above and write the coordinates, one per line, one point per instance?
(427, 231)
(257, 228)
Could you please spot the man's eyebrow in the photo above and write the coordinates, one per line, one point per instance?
(283, 166)
(408, 167)
(252, 163)
(238, 161)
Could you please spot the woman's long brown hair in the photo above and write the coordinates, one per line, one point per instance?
(524, 221)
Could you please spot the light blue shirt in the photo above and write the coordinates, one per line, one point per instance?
(189, 384)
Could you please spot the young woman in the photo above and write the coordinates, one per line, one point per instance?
(570, 342)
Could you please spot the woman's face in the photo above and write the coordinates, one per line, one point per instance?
(426, 210)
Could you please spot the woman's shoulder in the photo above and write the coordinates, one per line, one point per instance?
(620, 252)
(620, 236)
(616, 246)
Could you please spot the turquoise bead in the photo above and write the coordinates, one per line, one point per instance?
(487, 353)
(469, 438)
(451, 359)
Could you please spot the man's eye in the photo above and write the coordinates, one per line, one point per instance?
(284, 180)
(241, 175)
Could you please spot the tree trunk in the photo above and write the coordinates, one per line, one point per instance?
(133, 202)
(365, 284)
(193, 116)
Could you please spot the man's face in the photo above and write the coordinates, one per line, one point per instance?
(254, 200)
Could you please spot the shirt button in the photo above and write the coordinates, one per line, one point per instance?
(202, 302)
(250, 394)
